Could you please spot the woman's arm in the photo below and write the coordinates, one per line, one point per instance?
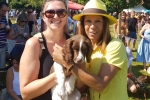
(97, 82)
(9, 84)
(30, 85)
(142, 31)
(12, 35)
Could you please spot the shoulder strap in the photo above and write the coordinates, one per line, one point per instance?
(41, 41)
(12, 68)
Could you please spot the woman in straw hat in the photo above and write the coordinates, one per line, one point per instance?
(106, 74)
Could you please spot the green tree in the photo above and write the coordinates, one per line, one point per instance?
(83, 2)
(146, 4)
(119, 5)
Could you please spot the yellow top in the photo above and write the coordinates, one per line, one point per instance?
(115, 54)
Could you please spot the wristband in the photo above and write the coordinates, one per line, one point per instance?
(70, 68)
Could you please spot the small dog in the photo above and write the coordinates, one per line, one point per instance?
(75, 50)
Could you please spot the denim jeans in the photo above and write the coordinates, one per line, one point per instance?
(3, 57)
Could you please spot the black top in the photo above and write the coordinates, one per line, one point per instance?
(30, 24)
(46, 61)
(132, 24)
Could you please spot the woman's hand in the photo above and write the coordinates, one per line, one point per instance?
(142, 36)
(58, 55)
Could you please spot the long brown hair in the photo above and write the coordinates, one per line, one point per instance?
(123, 12)
(104, 39)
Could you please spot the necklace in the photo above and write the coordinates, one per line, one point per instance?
(97, 45)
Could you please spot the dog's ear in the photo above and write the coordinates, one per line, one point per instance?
(68, 51)
(89, 50)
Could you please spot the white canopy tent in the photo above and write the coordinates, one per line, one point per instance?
(138, 8)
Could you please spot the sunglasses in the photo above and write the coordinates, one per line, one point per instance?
(4, 10)
(24, 21)
(29, 12)
(51, 13)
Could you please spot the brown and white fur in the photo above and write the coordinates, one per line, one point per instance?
(75, 50)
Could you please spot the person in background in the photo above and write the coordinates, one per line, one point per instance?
(4, 27)
(130, 84)
(20, 33)
(132, 29)
(36, 80)
(70, 24)
(31, 18)
(106, 74)
(39, 23)
(12, 79)
(124, 27)
(143, 52)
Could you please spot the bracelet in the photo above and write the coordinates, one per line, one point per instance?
(70, 68)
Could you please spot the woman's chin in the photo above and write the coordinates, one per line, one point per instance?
(55, 27)
(91, 38)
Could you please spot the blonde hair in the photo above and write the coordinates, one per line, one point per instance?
(105, 37)
(21, 17)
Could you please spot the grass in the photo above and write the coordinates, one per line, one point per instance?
(136, 69)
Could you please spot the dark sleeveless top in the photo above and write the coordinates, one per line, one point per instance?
(46, 61)
(30, 24)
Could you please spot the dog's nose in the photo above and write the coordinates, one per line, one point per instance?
(79, 60)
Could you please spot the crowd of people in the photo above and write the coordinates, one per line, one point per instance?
(37, 43)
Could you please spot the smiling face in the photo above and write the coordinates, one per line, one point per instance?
(56, 22)
(123, 15)
(93, 25)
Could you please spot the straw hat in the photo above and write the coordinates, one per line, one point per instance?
(95, 7)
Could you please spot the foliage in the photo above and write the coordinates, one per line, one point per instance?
(112, 5)
(119, 5)
(146, 4)
(83, 2)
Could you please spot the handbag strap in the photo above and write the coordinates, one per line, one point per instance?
(41, 41)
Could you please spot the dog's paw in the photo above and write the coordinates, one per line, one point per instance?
(61, 91)
(71, 82)
(68, 86)
(68, 89)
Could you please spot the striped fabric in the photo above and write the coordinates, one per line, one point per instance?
(3, 32)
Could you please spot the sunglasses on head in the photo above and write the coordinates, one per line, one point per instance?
(4, 10)
(51, 13)
(24, 21)
(29, 11)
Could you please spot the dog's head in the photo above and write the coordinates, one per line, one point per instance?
(76, 49)
(142, 79)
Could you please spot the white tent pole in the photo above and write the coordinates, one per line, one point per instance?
(7, 12)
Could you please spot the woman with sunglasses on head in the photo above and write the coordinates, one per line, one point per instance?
(20, 33)
(106, 74)
(36, 80)
(31, 17)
